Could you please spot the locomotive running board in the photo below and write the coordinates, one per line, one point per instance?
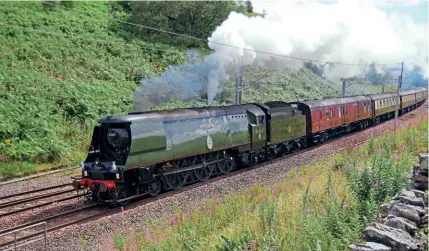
(178, 170)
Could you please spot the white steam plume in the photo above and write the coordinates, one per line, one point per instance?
(348, 31)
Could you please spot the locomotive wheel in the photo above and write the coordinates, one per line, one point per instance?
(155, 187)
(120, 194)
(206, 171)
(226, 167)
(176, 180)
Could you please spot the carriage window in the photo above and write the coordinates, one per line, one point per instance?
(332, 113)
(261, 120)
(327, 113)
(364, 107)
(339, 112)
(320, 113)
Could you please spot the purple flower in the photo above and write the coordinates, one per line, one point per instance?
(311, 178)
(395, 157)
(366, 155)
(356, 154)
(323, 214)
(378, 150)
(375, 185)
(305, 212)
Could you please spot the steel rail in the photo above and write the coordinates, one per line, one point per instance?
(84, 219)
(24, 200)
(33, 191)
(40, 205)
(49, 218)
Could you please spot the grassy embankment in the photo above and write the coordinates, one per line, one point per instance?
(54, 88)
(319, 207)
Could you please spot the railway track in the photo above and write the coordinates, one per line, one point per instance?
(54, 222)
(16, 203)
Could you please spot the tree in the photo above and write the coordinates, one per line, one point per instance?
(249, 6)
(197, 18)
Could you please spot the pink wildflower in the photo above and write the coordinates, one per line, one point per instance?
(378, 150)
(276, 191)
(311, 178)
(395, 157)
(323, 213)
(375, 185)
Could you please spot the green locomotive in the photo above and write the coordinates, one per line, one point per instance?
(146, 152)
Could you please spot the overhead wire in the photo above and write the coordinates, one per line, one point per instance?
(228, 45)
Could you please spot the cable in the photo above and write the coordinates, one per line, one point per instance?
(84, 38)
(237, 47)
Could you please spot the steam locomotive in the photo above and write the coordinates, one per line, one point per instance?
(149, 152)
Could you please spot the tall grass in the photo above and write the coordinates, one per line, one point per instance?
(319, 207)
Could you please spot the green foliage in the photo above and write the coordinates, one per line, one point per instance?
(384, 171)
(194, 18)
(12, 169)
(54, 88)
(248, 240)
(121, 242)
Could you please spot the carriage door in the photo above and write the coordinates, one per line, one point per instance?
(257, 129)
(340, 115)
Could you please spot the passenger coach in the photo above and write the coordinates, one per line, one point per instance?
(332, 116)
